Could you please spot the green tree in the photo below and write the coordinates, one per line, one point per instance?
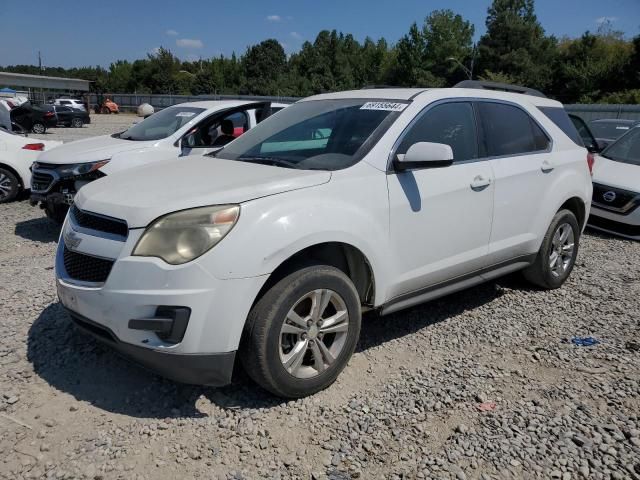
(263, 65)
(515, 44)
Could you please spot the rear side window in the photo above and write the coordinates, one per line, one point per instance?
(559, 116)
(450, 123)
(509, 130)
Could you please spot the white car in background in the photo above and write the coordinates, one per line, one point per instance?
(616, 187)
(70, 102)
(184, 130)
(17, 153)
(370, 199)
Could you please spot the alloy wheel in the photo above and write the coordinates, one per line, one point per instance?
(5, 186)
(314, 333)
(562, 250)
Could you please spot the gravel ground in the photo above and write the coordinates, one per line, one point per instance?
(484, 384)
(100, 125)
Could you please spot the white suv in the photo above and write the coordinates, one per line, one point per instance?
(70, 102)
(269, 252)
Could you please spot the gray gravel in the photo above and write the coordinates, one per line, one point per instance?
(484, 384)
(100, 125)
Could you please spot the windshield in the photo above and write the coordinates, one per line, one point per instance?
(316, 135)
(162, 124)
(609, 129)
(626, 149)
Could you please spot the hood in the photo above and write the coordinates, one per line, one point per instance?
(91, 150)
(142, 194)
(616, 174)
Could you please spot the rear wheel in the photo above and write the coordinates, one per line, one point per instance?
(106, 110)
(302, 332)
(557, 254)
(76, 123)
(9, 185)
(38, 128)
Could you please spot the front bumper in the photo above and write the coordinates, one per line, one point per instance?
(213, 369)
(118, 295)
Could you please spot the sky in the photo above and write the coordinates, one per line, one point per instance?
(79, 33)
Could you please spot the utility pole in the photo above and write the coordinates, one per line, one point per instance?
(39, 62)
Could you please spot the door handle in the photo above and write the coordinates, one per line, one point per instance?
(547, 167)
(480, 183)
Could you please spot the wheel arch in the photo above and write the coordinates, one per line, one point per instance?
(343, 256)
(14, 172)
(576, 206)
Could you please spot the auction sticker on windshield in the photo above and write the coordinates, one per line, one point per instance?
(387, 106)
(185, 114)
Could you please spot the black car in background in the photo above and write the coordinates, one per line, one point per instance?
(71, 117)
(608, 130)
(34, 118)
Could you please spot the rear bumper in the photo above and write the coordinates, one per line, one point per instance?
(213, 369)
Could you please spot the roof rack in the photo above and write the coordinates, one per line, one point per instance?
(501, 87)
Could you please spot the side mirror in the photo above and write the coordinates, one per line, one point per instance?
(425, 155)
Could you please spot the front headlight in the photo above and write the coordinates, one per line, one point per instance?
(82, 168)
(180, 237)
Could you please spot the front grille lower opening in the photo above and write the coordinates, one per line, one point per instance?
(86, 268)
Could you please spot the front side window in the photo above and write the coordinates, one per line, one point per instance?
(509, 130)
(316, 135)
(217, 131)
(626, 149)
(450, 123)
(161, 124)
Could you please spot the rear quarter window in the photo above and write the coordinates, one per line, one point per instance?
(559, 116)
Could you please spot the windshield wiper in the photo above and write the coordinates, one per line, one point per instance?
(274, 161)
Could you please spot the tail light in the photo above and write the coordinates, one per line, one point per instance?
(49, 114)
(38, 147)
(591, 159)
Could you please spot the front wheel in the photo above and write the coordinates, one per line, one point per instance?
(302, 332)
(106, 110)
(38, 128)
(56, 212)
(557, 254)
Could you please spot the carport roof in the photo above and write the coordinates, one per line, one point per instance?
(40, 81)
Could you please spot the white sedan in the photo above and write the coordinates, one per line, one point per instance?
(17, 153)
(616, 187)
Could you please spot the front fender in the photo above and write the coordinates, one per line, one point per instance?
(350, 209)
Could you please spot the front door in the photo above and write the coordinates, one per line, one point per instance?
(441, 217)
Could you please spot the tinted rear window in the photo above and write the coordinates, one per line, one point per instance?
(509, 130)
(559, 116)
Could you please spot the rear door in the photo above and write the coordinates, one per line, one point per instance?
(441, 217)
(519, 151)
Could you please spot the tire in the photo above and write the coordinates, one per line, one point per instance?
(106, 110)
(56, 213)
(268, 353)
(545, 272)
(9, 185)
(38, 128)
(77, 123)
